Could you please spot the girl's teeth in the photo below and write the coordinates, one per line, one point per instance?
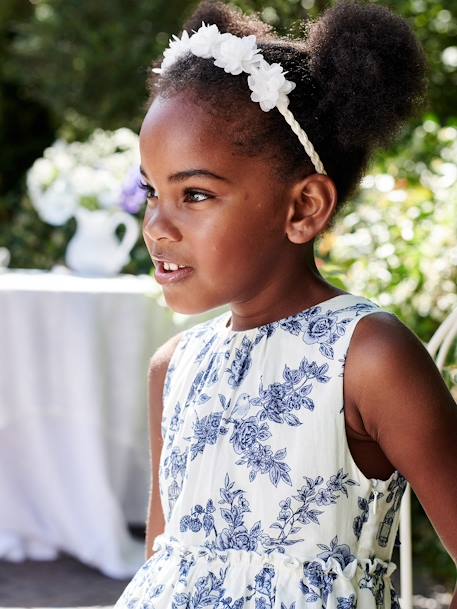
(170, 266)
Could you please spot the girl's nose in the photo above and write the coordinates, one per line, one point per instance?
(158, 225)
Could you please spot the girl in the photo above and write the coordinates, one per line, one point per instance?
(279, 454)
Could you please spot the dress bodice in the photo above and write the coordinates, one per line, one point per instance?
(256, 476)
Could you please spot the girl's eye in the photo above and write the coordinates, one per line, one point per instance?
(188, 192)
(148, 189)
(196, 193)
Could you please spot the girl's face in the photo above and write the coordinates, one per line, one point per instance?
(210, 209)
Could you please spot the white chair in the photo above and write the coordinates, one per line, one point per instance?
(438, 347)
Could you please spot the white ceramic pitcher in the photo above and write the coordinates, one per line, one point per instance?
(95, 249)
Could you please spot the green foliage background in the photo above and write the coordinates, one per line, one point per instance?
(70, 66)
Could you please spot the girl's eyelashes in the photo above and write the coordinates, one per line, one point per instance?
(191, 192)
(149, 191)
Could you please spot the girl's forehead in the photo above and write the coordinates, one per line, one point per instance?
(176, 117)
(180, 133)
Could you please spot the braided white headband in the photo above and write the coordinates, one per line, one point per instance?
(240, 54)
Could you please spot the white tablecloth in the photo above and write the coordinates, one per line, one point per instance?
(74, 452)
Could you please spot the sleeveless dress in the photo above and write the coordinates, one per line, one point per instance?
(265, 507)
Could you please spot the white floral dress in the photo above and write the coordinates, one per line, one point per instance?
(265, 506)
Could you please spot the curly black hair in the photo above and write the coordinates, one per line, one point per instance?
(360, 74)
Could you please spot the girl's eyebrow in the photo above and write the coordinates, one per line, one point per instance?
(189, 173)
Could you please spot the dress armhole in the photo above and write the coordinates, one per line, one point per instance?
(345, 443)
(172, 362)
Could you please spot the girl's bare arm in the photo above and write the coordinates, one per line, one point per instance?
(408, 410)
(158, 366)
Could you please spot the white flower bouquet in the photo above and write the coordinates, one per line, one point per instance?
(99, 173)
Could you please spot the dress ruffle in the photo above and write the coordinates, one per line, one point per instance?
(179, 575)
(369, 565)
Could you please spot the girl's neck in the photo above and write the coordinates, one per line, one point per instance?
(282, 298)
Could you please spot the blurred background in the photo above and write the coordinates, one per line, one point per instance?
(72, 94)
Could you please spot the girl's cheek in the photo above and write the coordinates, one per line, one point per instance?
(150, 229)
(148, 217)
(144, 224)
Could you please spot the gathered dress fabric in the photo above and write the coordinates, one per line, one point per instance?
(264, 505)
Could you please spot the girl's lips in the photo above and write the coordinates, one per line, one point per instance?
(164, 277)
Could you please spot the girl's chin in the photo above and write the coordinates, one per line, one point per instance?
(185, 305)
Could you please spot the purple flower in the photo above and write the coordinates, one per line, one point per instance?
(132, 196)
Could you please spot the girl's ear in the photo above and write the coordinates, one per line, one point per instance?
(312, 203)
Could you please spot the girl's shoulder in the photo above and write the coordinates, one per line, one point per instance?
(381, 340)
(387, 368)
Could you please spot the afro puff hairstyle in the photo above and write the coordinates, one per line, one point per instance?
(360, 74)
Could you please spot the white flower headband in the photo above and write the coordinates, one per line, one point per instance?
(240, 54)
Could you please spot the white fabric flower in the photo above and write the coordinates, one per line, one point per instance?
(176, 48)
(236, 54)
(269, 86)
(204, 41)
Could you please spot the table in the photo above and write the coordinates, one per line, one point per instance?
(74, 447)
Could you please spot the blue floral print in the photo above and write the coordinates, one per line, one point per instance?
(340, 552)
(395, 489)
(241, 363)
(263, 589)
(173, 426)
(200, 518)
(174, 467)
(304, 513)
(374, 581)
(313, 327)
(279, 399)
(276, 404)
(264, 504)
(322, 329)
(347, 603)
(208, 592)
(167, 383)
(320, 581)
(364, 506)
(206, 431)
(195, 395)
(246, 440)
(235, 534)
